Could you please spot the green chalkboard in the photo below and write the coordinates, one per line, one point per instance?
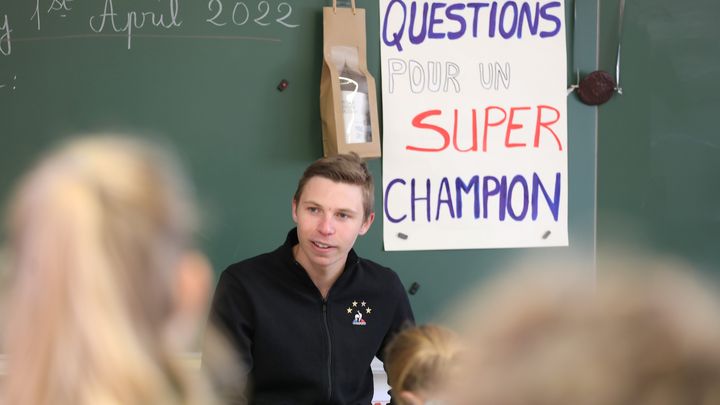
(203, 74)
(659, 144)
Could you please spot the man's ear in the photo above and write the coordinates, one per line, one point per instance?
(366, 225)
(294, 210)
(410, 398)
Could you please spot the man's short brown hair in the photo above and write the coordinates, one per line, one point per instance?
(346, 168)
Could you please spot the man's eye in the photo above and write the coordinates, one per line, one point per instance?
(342, 215)
(313, 209)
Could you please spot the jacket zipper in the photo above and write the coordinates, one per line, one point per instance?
(329, 362)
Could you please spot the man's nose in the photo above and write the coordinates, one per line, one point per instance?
(326, 225)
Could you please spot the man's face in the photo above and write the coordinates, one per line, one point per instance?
(329, 217)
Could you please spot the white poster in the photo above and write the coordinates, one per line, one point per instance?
(474, 124)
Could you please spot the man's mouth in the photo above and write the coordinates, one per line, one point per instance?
(321, 245)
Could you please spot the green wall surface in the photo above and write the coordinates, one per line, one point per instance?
(206, 82)
(659, 146)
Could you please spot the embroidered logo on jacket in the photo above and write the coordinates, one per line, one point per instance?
(358, 310)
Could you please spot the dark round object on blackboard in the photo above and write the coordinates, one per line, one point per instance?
(414, 288)
(596, 88)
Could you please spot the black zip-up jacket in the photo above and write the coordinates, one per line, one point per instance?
(299, 348)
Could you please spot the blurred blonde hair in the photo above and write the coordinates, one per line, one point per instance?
(95, 233)
(647, 334)
(419, 358)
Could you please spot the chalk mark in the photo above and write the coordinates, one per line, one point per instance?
(160, 36)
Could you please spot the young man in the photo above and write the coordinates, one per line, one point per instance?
(308, 318)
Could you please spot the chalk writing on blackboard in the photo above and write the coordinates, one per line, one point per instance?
(136, 20)
(10, 85)
(240, 14)
(5, 43)
(112, 20)
(59, 7)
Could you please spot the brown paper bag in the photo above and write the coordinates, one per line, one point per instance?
(348, 100)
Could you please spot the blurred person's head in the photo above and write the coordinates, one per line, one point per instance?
(647, 334)
(418, 361)
(103, 277)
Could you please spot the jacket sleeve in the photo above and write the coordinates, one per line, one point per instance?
(402, 318)
(231, 318)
